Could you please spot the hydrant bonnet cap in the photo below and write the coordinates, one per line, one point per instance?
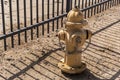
(75, 15)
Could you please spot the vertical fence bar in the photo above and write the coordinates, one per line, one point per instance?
(79, 3)
(95, 8)
(118, 1)
(113, 3)
(3, 23)
(11, 22)
(75, 3)
(71, 4)
(43, 16)
(68, 5)
(108, 3)
(53, 15)
(31, 18)
(48, 15)
(85, 7)
(89, 9)
(92, 8)
(103, 6)
(98, 7)
(57, 13)
(18, 21)
(62, 12)
(25, 24)
(37, 17)
(82, 4)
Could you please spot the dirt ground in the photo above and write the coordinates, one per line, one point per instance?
(38, 59)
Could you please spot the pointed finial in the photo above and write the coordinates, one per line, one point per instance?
(76, 6)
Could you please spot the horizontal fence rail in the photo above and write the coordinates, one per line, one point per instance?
(25, 20)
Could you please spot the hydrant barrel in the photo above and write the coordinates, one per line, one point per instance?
(74, 37)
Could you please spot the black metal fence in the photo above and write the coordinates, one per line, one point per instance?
(22, 20)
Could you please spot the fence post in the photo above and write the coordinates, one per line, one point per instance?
(68, 5)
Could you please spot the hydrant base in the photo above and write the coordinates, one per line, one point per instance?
(71, 70)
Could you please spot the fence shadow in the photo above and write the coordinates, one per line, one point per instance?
(32, 64)
(115, 76)
(105, 48)
(106, 27)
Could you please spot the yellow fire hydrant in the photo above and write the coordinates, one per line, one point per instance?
(74, 37)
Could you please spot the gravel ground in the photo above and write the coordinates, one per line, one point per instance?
(37, 60)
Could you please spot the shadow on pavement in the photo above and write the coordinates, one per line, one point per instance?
(86, 75)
